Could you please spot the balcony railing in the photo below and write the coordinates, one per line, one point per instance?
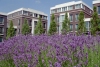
(1, 23)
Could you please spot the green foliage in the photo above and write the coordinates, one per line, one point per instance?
(7, 63)
(65, 25)
(39, 27)
(81, 26)
(11, 30)
(40, 61)
(95, 22)
(25, 28)
(53, 26)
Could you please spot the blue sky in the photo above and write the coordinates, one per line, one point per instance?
(41, 5)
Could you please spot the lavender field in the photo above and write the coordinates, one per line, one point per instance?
(51, 51)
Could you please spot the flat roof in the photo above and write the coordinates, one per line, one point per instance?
(28, 9)
(96, 1)
(69, 4)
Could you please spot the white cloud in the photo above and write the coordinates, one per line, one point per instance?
(37, 1)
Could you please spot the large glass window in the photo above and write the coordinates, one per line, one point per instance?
(35, 23)
(44, 25)
(18, 31)
(98, 9)
(71, 17)
(25, 13)
(0, 39)
(63, 17)
(71, 27)
(1, 20)
(1, 30)
(76, 17)
(20, 12)
(87, 24)
(35, 15)
(70, 7)
(57, 18)
(77, 6)
(52, 11)
(45, 17)
(64, 9)
(59, 10)
(18, 21)
(76, 26)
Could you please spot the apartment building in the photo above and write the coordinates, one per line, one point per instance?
(32, 16)
(97, 4)
(73, 9)
(3, 26)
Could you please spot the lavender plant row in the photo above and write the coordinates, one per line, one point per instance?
(50, 51)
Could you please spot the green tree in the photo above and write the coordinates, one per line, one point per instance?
(65, 25)
(53, 26)
(95, 22)
(11, 30)
(81, 26)
(39, 27)
(25, 28)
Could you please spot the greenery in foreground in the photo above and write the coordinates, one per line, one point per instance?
(51, 51)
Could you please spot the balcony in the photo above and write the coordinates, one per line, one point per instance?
(1, 23)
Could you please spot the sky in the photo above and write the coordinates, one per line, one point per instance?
(41, 5)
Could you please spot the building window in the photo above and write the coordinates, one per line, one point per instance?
(52, 11)
(63, 17)
(57, 18)
(98, 9)
(64, 9)
(18, 31)
(1, 20)
(76, 17)
(83, 6)
(71, 18)
(1, 39)
(41, 16)
(44, 25)
(59, 10)
(71, 27)
(77, 6)
(20, 13)
(76, 26)
(35, 23)
(30, 22)
(70, 7)
(31, 14)
(18, 21)
(87, 24)
(35, 15)
(45, 17)
(1, 30)
(25, 13)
